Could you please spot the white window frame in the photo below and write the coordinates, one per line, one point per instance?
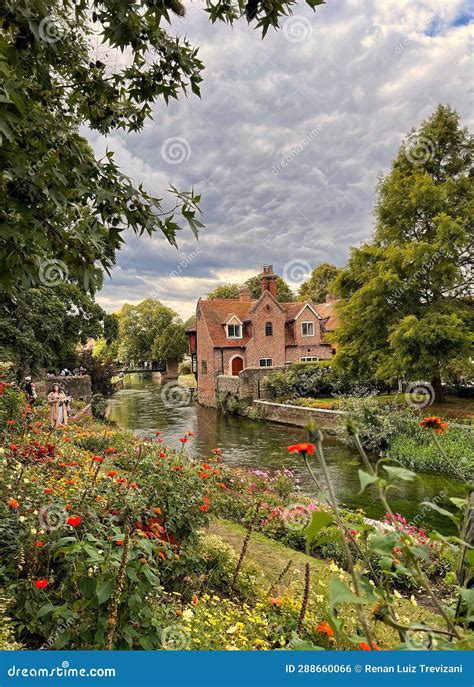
(267, 360)
(237, 326)
(309, 359)
(303, 324)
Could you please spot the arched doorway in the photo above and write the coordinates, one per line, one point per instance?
(236, 365)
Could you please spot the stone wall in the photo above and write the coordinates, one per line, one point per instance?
(227, 385)
(297, 416)
(251, 382)
(78, 387)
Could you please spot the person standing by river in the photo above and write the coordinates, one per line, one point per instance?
(57, 402)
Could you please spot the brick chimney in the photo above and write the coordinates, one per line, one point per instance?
(268, 280)
(244, 295)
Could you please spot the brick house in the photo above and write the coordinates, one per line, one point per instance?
(232, 335)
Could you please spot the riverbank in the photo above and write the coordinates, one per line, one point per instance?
(89, 509)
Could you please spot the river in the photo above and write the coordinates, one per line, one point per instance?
(140, 407)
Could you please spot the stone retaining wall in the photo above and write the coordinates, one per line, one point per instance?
(297, 416)
(78, 387)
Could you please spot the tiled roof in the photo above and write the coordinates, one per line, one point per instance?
(218, 311)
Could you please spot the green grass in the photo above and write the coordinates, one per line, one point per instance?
(271, 557)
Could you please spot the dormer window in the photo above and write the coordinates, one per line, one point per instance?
(268, 329)
(234, 331)
(307, 328)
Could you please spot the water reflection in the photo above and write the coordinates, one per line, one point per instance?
(139, 406)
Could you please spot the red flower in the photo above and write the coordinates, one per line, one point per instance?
(48, 490)
(112, 473)
(111, 449)
(121, 480)
(98, 459)
(178, 468)
(133, 485)
(325, 628)
(366, 647)
(204, 475)
(119, 542)
(39, 544)
(162, 556)
(183, 440)
(222, 485)
(190, 434)
(206, 466)
(217, 451)
(435, 423)
(13, 447)
(74, 520)
(67, 438)
(13, 503)
(162, 454)
(41, 584)
(204, 508)
(157, 434)
(302, 448)
(10, 422)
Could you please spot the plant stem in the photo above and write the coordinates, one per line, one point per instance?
(304, 604)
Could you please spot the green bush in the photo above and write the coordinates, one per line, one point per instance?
(184, 368)
(98, 406)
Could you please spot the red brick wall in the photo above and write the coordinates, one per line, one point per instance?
(308, 345)
(262, 346)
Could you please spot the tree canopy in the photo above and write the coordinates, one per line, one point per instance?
(284, 293)
(62, 208)
(40, 327)
(172, 344)
(140, 326)
(408, 307)
(319, 284)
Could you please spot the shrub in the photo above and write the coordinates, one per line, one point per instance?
(98, 406)
(184, 367)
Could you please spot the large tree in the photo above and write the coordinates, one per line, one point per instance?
(140, 326)
(41, 327)
(408, 309)
(284, 293)
(172, 344)
(59, 205)
(319, 284)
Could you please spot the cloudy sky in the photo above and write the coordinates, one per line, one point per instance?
(289, 136)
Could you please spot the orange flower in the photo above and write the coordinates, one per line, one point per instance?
(302, 448)
(13, 503)
(434, 422)
(41, 584)
(206, 466)
(325, 628)
(48, 490)
(67, 438)
(10, 422)
(13, 447)
(97, 459)
(111, 449)
(204, 508)
(178, 468)
(194, 600)
(121, 480)
(203, 475)
(366, 647)
(39, 544)
(222, 485)
(217, 451)
(162, 556)
(111, 473)
(190, 433)
(133, 485)
(157, 511)
(276, 601)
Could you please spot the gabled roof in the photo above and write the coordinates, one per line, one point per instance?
(217, 313)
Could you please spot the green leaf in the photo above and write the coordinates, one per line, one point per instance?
(146, 643)
(440, 510)
(319, 520)
(339, 593)
(105, 591)
(365, 479)
(44, 610)
(399, 473)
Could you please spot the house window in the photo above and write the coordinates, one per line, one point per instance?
(307, 328)
(268, 329)
(266, 362)
(234, 331)
(204, 367)
(309, 359)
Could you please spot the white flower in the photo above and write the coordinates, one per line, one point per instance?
(22, 518)
(33, 530)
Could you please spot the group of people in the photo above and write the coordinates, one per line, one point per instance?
(58, 398)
